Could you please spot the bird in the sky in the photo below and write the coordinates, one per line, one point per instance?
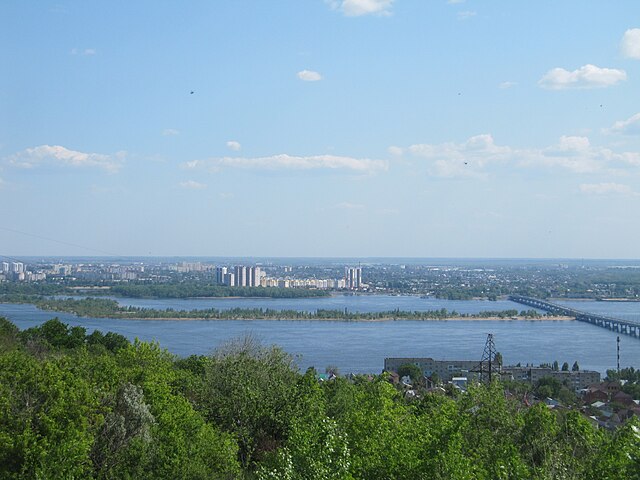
(192, 92)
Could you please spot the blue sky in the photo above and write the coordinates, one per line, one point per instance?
(425, 128)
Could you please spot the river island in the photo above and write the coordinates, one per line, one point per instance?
(109, 308)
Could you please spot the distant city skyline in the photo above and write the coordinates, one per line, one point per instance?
(343, 128)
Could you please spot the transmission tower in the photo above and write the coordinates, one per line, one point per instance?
(488, 365)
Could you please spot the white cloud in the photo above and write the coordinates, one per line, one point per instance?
(631, 43)
(475, 156)
(396, 151)
(57, 155)
(630, 126)
(462, 159)
(84, 52)
(356, 8)
(349, 206)
(309, 76)
(454, 2)
(505, 85)
(170, 132)
(606, 189)
(388, 211)
(233, 145)
(291, 162)
(225, 195)
(587, 76)
(466, 14)
(192, 185)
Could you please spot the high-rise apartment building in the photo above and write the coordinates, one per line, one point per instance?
(241, 276)
(254, 276)
(353, 278)
(230, 279)
(221, 272)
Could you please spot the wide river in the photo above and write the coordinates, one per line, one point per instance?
(361, 347)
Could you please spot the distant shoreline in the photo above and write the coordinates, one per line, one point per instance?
(365, 320)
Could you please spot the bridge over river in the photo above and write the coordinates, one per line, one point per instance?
(628, 327)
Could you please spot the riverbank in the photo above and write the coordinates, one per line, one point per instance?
(100, 307)
(369, 320)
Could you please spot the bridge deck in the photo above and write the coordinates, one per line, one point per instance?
(630, 327)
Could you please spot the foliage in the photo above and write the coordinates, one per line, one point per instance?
(412, 371)
(249, 390)
(109, 308)
(74, 405)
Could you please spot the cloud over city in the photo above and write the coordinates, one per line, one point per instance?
(233, 145)
(356, 8)
(58, 156)
(606, 189)
(291, 162)
(630, 126)
(479, 154)
(630, 44)
(587, 76)
(86, 52)
(192, 185)
(309, 76)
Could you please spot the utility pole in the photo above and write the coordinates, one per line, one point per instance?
(618, 342)
(487, 366)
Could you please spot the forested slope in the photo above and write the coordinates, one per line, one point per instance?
(74, 405)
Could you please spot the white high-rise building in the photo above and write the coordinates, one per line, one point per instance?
(5, 267)
(353, 277)
(241, 276)
(230, 279)
(254, 276)
(221, 272)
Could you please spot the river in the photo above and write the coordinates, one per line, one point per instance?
(361, 347)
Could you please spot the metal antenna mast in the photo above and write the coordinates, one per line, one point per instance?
(487, 366)
(618, 341)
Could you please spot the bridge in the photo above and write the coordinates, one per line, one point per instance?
(628, 327)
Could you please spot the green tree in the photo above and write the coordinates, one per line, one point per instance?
(547, 387)
(46, 416)
(316, 447)
(130, 419)
(412, 371)
(565, 367)
(498, 359)
(249, 391)
(575, 367)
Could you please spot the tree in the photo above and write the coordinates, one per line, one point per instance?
(332, 370)
(249, 391)
(129, 420)
(498, 359)
(412, 371)
(565, 367)
(547, 387)
(555, 366)
(575, 367)
(316, 447)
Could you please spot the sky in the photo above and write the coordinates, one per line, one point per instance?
(345, 128)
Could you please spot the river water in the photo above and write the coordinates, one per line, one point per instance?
(361, 347)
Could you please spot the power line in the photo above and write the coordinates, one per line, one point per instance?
(62, 242)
